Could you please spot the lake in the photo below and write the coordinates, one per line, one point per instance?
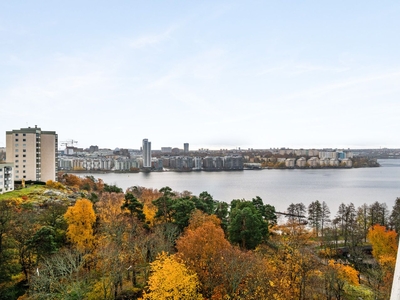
(279, 188)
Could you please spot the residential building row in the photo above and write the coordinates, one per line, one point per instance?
(187, 163)
(325, 153)
(315, 162)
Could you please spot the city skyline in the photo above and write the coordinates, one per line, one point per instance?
(214, 74)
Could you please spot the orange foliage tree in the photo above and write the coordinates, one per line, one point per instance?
(384, 250)
(201, 248)
(384, 243)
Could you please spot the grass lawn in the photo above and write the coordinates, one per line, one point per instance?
(29, 190)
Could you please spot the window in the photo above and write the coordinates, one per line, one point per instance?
(16, 150)
(16, 140)
(24, 176)
(16, 155)
(23, 166)
(24, 140)
(24, 160)
(24, 155)
(24, 150)
(23, 171)
(23, 145)
(16, 145)
(17, 171)
(16, 134)
(16, 166)
(15, 161)
(24, 134)
(16, 177)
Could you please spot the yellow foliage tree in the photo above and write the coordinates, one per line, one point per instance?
(80, 219)
(170, 279)
(54, 184)
(338, 277)
(345, 272)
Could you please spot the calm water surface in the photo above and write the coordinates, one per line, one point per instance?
(279, 187)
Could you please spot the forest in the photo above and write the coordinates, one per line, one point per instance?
(79, 238)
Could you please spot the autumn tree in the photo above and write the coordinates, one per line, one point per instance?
(384, 243)
(170, 279)
(80, 219)
(71, 180)
(337, 277)
(384, 250)
(293, 262)
(201, 247)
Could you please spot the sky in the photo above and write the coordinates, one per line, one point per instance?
(214, 74)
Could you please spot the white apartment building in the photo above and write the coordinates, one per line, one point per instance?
(6, 177)
(33, 153)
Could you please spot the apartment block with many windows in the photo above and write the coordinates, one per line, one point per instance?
(6, 177)
(33, 153)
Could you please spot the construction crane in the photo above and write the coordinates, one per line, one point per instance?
(68, 143)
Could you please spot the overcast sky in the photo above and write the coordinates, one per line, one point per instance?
(215, 74)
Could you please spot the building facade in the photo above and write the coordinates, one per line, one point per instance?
(33, 153)
(146, 153)
(6, 177)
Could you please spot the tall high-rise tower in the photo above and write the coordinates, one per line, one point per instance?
(146, 153)
(186, 147)
(33, 152)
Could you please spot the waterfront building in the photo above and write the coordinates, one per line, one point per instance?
(290, 162)
(208, 163)
(218, 162)
(301, 162)
(313, 162)
(333, 162)
(324, 162)
(328, 154)
(197, 163)
(347, 162)
(33, 153)
(186, 147)
(6, 177)
(146, 153)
